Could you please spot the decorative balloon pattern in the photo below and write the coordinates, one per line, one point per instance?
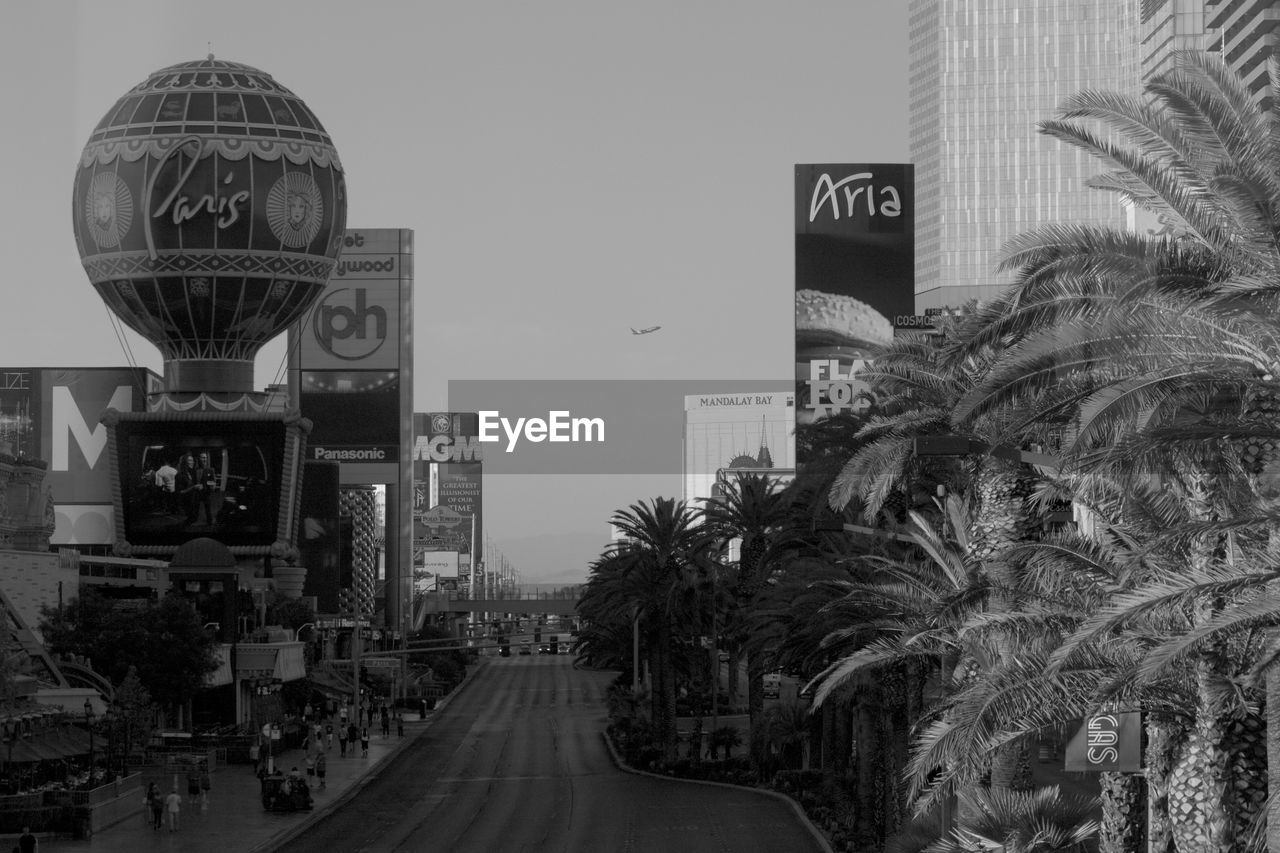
(209, 209)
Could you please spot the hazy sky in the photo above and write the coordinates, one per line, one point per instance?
(570, 169)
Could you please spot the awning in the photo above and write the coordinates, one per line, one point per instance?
(21, 752)
(48, 745)
(331, 684)
(256, 662)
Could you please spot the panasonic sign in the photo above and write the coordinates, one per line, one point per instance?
(352, 454)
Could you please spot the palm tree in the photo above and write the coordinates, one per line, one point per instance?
(753, 511)
(1043, 821)
(1132, 329)
(664, 559)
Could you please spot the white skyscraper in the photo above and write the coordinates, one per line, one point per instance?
(983, 74)
(736, 430)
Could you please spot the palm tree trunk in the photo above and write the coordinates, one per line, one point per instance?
(999, 523)
(1273, 753)
(755, 708)
(1124, 806)
(665, 693)
(865, 750)
(1164, 739)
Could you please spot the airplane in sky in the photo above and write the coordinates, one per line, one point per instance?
(636, 331)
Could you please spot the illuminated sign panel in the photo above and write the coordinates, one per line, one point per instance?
(51, 413)
(1106, 743)
(182, 475)
(352, 363)
(448, 485)
(855, 273)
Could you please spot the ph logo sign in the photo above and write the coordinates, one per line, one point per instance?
(347, 327)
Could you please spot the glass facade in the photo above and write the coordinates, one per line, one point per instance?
(984, 73)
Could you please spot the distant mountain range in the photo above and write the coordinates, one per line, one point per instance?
(553, 558)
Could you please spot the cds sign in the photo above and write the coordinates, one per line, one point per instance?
(1110, 742)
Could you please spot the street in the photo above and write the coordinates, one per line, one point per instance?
(517, 762)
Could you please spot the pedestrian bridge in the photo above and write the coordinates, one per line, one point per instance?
(530, 599)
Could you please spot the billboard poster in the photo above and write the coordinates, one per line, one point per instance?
(460, 491)
(855, 273)
(735, 430)
(447, 482)
(20, 412)
(442, 564)
(51, 413)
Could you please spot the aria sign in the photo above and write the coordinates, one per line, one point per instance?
(1107, 743)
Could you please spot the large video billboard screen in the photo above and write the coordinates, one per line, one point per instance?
(180, 479)
(855, 272)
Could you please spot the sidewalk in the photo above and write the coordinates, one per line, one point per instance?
(234, 820)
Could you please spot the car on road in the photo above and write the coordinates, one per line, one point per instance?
(525, 648)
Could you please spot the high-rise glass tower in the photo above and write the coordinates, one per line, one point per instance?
(1246, 32)
(983, 74)
(1169, 25)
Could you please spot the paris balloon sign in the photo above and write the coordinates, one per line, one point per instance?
(209, 209)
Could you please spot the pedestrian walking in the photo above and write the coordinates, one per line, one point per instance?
(193, 788)
(386, 727)
(173, 805)
(328, 736)
(321, 768)
(342, 741)
(27, 842)
(399, 723)
(310, 762)
(206, 784)
(156, 811)
(255, 755)
(352, 736)
(364, 743)
(342, 714)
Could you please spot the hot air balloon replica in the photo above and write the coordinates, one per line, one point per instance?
(209, 207)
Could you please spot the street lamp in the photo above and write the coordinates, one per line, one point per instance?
(298, 632)
(88, 720)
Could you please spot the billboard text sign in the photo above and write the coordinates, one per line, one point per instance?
(1106, 743)
(855, 271)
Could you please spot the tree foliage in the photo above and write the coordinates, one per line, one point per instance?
(163, 642)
